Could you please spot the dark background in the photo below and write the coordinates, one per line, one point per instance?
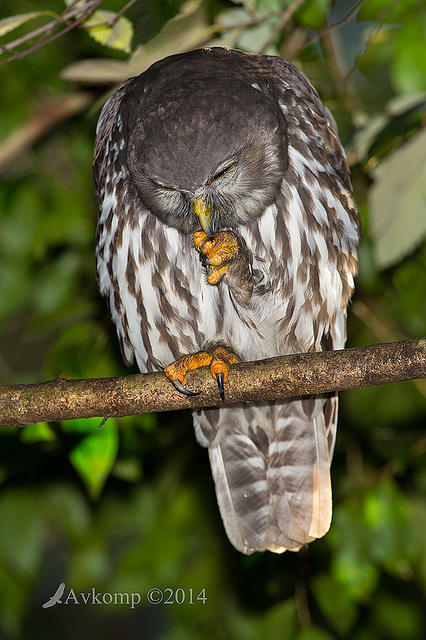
(132, 507)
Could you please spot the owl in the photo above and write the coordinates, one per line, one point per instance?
(227, 232)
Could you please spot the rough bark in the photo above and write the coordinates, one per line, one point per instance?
(276, 378)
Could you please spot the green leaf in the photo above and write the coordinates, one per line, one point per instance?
(282, 617)
(390, 521)
(15, 285)
(128, 469)
(351, 565)
(55, 281)
(152, 15)
(94, 457)
(147, 422)
(253, 39)
(335, 603)
(365, 136)
(13, 22)
(313, 13)
(249, 5)
(268, 6)
(13, 599)
(19, 223)
(81, 350)
(359, 575)
(397, 200)
(39, 432)
(89, 563)
(233, 18)
(81, 425)
(189, 29)
(66, 510)
(409, 60)
(386, 10)
(396, 618)
(277, 623)
(402, 103)
(313, 633)
(117, 36)
(21, 532)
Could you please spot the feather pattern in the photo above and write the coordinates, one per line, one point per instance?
(270, 462)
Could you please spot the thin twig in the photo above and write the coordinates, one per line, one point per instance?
(286, 17)
(369, 316)
(111, 22)
(333, 55)
(64, 17)
(338, 22)
(44, 120)
(381, 19)
(120, 13)
(84, 13)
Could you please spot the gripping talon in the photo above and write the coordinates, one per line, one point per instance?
(219, 360)
(186, 392)
(220, 381)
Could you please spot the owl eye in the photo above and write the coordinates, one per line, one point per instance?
(161, 186)
(220, 173)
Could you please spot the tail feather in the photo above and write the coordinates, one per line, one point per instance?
(271, 467)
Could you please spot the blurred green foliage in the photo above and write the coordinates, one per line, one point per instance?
(132, 506)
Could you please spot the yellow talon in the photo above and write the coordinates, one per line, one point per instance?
(219, 360)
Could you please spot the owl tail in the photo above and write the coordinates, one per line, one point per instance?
(271, 467)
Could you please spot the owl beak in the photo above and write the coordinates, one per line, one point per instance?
(203, 211)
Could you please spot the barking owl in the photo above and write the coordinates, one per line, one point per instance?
(227, 231)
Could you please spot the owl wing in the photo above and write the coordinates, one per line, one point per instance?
(112, 199)
(144, 267)
(306, 113)
(125, 256)
(104, 132)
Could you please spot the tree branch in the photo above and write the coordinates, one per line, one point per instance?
(47, 116)
(63, 18)
(114, 19)
(80, 13)
(338, 22)
(286, 17)
(262, 381)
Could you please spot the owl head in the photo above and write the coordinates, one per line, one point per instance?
(205, 151)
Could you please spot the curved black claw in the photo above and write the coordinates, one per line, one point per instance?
(186, 392)
(219, 380)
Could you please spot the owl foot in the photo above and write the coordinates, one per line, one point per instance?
(219, 367)
(217, 252)
(219, 360)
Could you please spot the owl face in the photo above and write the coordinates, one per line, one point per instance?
(218, 168)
